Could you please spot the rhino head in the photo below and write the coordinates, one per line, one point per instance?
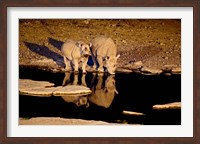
(110, 83)
(82, 101)
(84, 48)
(111, 63)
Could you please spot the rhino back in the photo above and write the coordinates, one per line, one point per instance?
(76, 53)
(104, 46)
(69, 49)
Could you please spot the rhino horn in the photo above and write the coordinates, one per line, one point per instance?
(116, 91)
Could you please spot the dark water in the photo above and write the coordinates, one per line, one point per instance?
(111, 96)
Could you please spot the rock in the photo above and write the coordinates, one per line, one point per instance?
(132, 113)
(58, 121)
(167, 74)
(150, 70)
(168, 67)
(123, 70)
(137, 71)
(124, 41)
(43, 88)
(176, 70)
(35, 88)
(42, 92)
(134, 66)
(27, 83)
(71, 90)
(138, 63)
(175, 105)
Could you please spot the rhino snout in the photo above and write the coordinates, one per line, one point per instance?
(111, 71)
(111, 68)
(86, 55)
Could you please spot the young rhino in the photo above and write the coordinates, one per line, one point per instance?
(104, 51)
(75, 54)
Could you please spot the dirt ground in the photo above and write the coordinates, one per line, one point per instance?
(157, 43)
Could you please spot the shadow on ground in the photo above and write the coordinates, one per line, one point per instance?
(56, 43)
(44, 51)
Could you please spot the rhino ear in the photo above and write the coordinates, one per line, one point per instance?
(79, 43)
(118, 56)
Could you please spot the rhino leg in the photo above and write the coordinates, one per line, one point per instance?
(95, 62)
(94, 77)
(84, 66)
(67, 64)
(100, 82)
(75, 82)
(83, 83)
(100, 62)
(75, 62)
(66, 79)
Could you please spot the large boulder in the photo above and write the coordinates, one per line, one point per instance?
(148, 70)
(35, 88)
(59, 121)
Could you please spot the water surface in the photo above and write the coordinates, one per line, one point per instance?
(111, 95)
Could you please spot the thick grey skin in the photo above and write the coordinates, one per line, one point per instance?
(75, 54)
(103, 95)
(104, 50)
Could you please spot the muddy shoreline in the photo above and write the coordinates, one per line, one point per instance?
(153, 44)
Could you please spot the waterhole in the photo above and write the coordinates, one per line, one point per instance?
(114, 98)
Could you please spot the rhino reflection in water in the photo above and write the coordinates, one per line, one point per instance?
(67, 80)
(103, 95)
(79, 100)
